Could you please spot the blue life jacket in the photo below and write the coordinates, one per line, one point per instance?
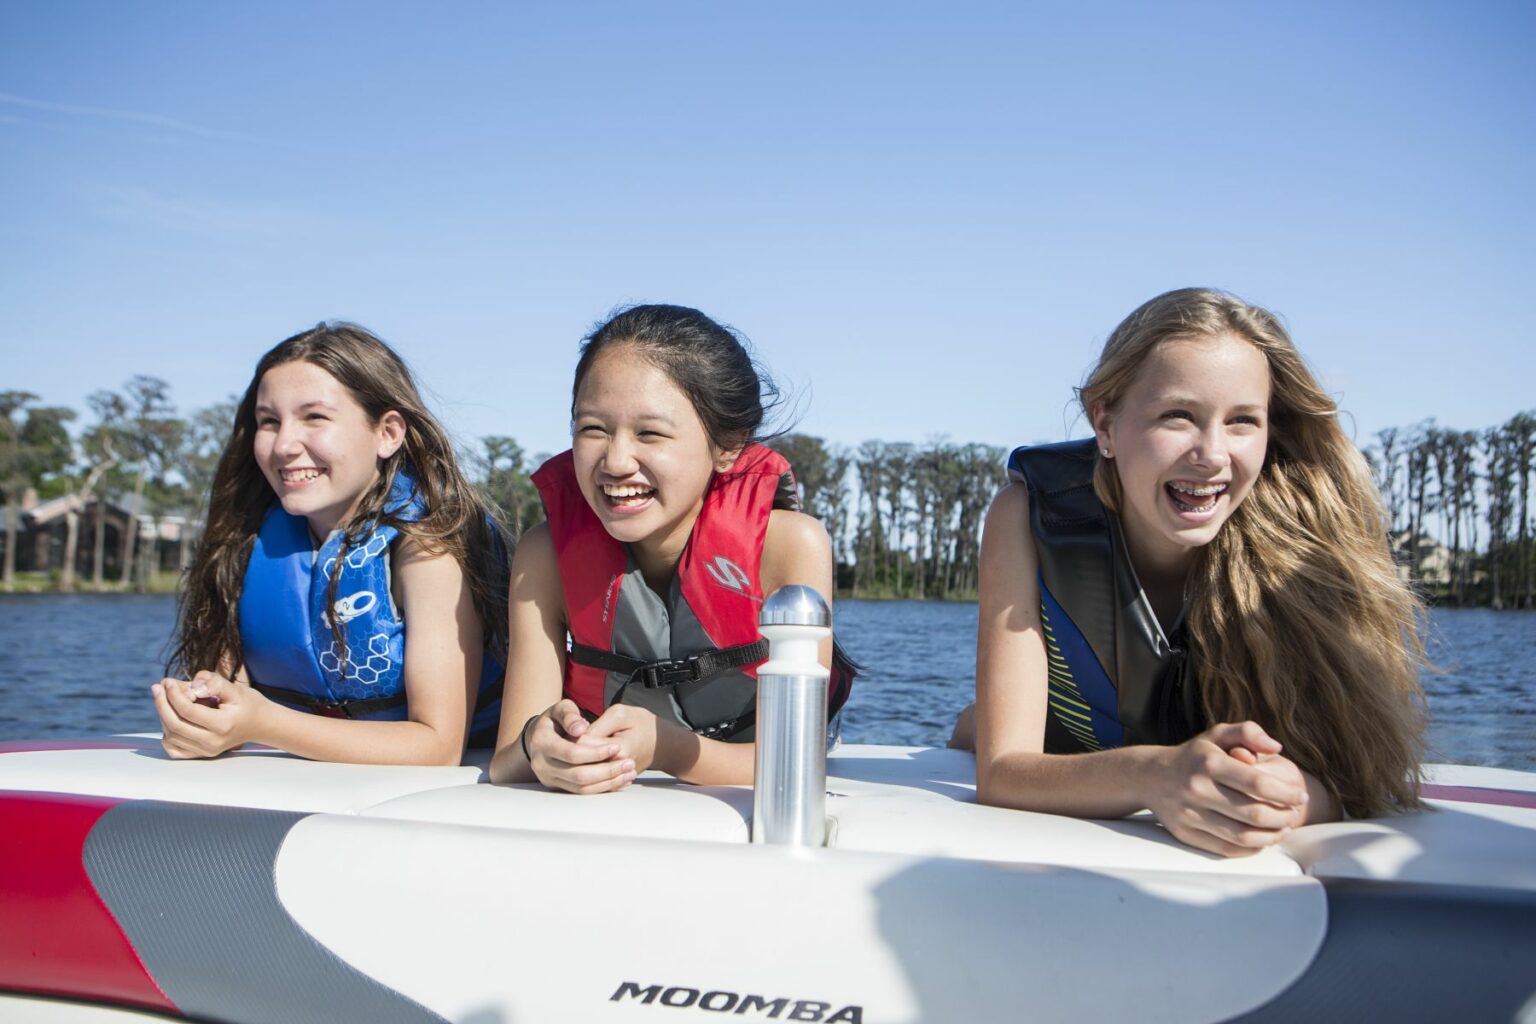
(1114, 676)
(291, 654)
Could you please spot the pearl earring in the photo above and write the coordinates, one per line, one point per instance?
(1105, 452)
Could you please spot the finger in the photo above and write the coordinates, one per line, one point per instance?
(211, 689)
(609, 785)
(567, 716)
(622, 782)
(177, 747)
(1256, 783)
(1229, 837)
(547, 743)
(579, 776)
(1202, 840)
(160, 692)
(1250, 837)
(1256, 813)
(185, 704)
(1245, 755)
(602, 729)
(1243, 734)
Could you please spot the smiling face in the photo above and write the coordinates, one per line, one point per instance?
(643, 459)
(1188, 440)
(315, 445)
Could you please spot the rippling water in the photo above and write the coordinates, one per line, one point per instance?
(75, 665)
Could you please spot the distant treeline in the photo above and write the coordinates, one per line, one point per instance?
(1459, 502)
(905, 519)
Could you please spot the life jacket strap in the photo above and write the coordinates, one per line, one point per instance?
(656, 675)
(331, 708)
(359, 708)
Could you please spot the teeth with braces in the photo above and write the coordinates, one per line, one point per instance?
(1204, 491)
(1207, 494)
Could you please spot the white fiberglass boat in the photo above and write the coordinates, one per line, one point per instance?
(262, 887)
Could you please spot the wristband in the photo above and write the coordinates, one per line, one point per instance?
(522, 739)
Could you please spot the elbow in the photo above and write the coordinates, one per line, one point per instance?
(986, 783)
(442, 752)
(499, 773)
(436, 758)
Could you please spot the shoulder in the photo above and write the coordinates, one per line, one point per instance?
(535, 579)
(535, 567)
(1006, 539)
(794, 529)
(796, 549)
(411, 559)
(1011, 505)
(535, 550)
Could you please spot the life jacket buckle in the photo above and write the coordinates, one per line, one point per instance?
(659, 674)
(331, 709)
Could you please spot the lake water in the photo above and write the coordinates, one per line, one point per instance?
(81, 665)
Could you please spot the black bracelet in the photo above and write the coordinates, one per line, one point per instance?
(522, 739)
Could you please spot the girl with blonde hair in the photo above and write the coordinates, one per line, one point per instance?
(1196, 611)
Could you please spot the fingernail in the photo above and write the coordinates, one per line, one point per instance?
(628, 766)
(612, 750)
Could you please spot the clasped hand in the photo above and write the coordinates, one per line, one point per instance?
(567, 752)
(1229, 790)
(206, 715)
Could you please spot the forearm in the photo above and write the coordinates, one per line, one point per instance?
(703, 762)
(1322, 805)
(1102, 784)
(509, 764)
(355, 741)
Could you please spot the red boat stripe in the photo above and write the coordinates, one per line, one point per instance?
(59, 937)
(1479, 795)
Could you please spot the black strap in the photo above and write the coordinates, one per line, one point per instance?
(331, 708)
(654, 675)
(360, 707)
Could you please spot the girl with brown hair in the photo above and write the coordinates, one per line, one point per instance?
(1198, 606)
(338, 514)
(634, 607)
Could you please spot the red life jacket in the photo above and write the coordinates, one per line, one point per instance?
(692, 658)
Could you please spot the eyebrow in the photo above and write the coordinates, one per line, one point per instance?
(645, 417)
(1185, 400)
(316, 404)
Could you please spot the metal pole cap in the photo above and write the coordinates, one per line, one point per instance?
(795, 605)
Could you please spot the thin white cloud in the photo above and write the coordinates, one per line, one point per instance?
(207, 215)
(128, 116)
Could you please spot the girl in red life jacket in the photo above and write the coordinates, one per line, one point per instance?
(666, 527)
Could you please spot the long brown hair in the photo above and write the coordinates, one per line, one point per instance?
(1297, 617)
(454, 519)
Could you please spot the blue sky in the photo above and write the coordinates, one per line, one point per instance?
(926, 217)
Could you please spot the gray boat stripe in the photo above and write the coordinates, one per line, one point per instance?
(194, 890)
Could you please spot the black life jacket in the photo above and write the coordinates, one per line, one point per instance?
(1115, 678)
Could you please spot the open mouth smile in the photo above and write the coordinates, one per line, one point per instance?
(300, 477)
(1194, 497)
(628, 496)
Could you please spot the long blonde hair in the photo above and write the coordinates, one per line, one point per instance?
(1297, 617)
